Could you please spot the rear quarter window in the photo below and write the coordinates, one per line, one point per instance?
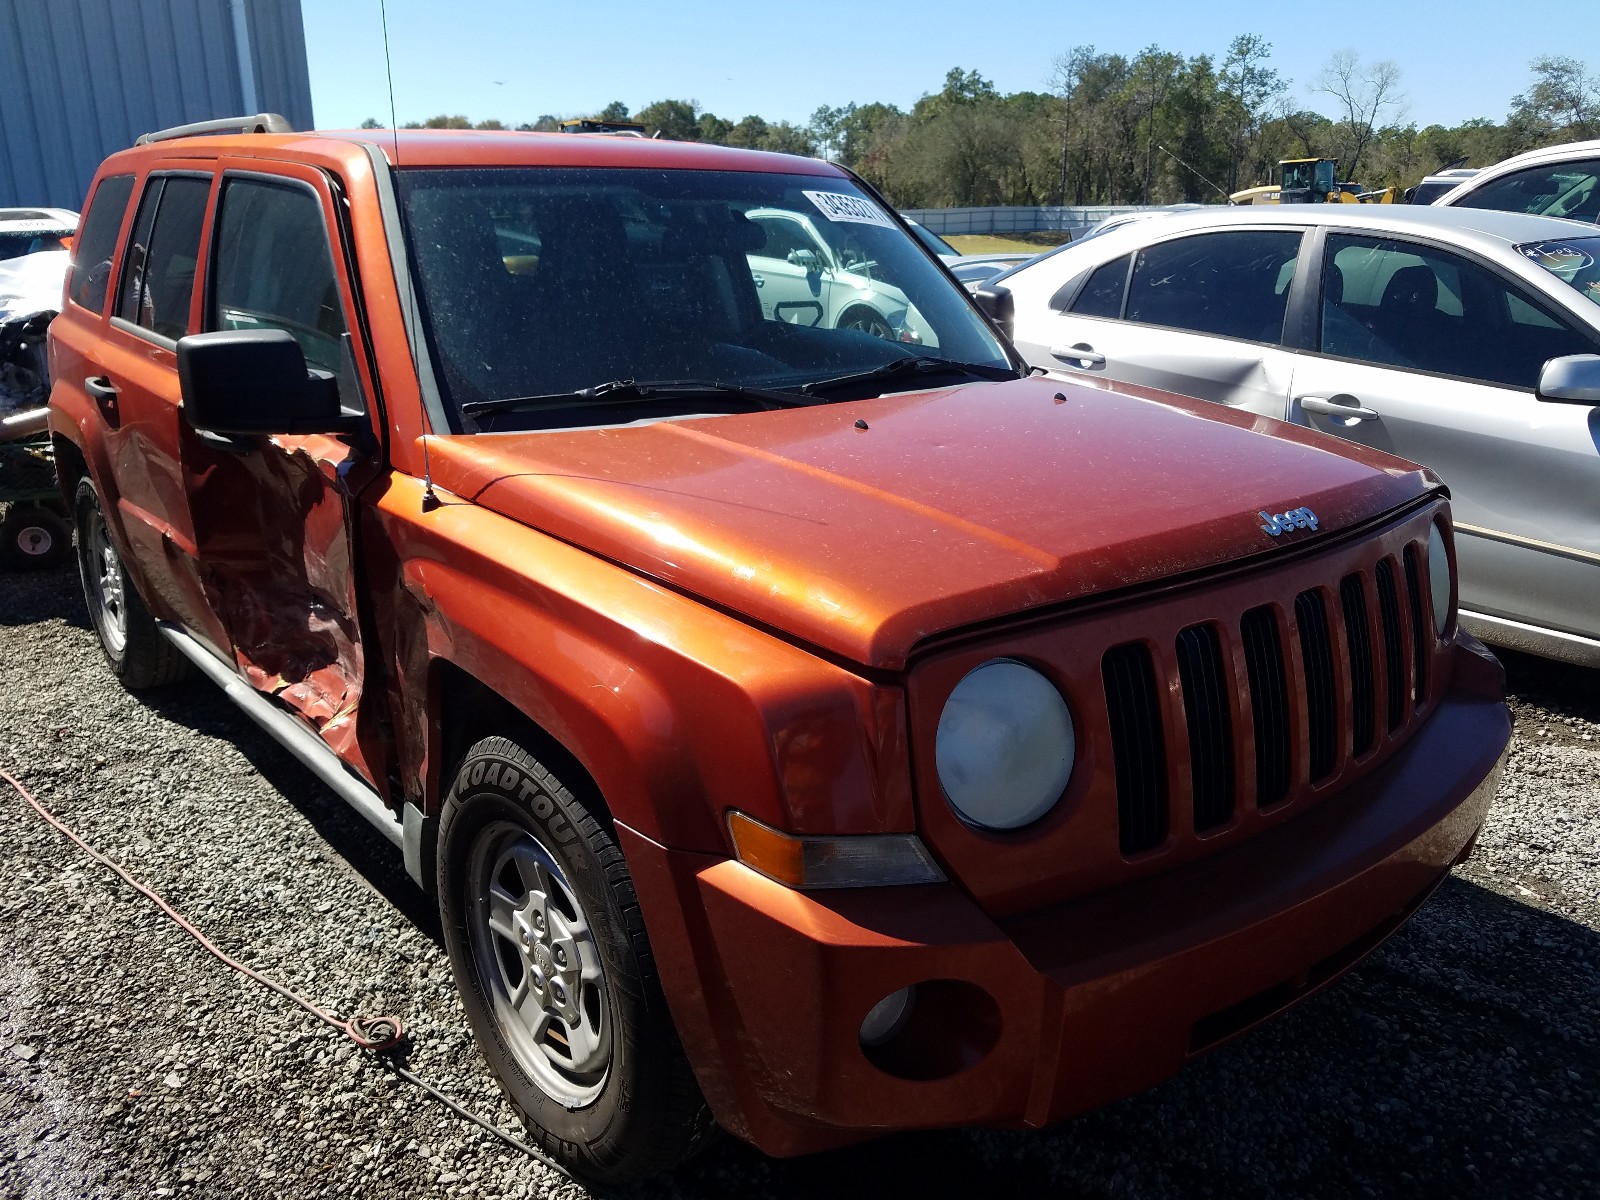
(97, 242)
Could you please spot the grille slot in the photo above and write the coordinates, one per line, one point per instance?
(1316, 657)
(1420, 645)
(1394, 651)
(1358, 636)
(1269, 703)
(1133, 705)
(1206, 687)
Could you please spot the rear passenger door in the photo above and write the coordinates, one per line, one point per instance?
(1436, 356)
(1200, 315)
(275, 517)
(134, 381)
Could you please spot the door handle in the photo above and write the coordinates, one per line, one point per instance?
(100, 389)
(1083, 354)
(1324, 407)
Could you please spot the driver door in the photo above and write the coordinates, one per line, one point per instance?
(274, 517)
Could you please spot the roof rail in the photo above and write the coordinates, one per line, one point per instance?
(260, 123)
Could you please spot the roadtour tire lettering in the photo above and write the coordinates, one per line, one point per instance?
(532, 885)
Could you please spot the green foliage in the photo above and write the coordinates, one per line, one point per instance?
(1157, 128)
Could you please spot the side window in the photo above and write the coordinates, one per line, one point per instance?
(97, 242)
(1233, 284)
(1102, 295)
(782, 237)
(159, 265)
(1409, 306)
(274, 268)
(1570, 189)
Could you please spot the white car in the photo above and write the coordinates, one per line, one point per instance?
(806, 279)
(1558, 181)
(31, 230)
(1466, 340)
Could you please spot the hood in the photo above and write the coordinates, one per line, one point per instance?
(949, 508)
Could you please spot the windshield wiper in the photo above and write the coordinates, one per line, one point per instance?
(630, 391)
(915, 364)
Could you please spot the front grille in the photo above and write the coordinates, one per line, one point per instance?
(1419, 679)
(1306, 677)
(1316, 657)
(1394, 651)
(1205, 704)
(1137, 746)
(1269, 704)
(1358, 637)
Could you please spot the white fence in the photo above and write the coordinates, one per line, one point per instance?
(1025, 218)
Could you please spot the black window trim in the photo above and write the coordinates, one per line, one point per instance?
(114, 280)
(163, 174)
(1296, 282)
(1530, 297)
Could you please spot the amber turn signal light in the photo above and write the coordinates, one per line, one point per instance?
(806, 862)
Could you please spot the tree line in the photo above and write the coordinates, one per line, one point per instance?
(1154, 128)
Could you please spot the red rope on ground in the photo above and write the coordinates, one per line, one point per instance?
(370, 1033)
(376, 1034)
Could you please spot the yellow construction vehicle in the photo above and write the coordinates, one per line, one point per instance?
(1312, 181)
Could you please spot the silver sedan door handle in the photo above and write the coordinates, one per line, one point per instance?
(1083, 354)
(1324, 407)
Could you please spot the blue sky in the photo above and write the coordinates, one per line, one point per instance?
(513, 59)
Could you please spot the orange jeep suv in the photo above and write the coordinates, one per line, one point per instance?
(809, 724)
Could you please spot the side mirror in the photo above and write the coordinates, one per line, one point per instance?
(999, 306)
(254, 381)
(1574, 379)
(808, 259)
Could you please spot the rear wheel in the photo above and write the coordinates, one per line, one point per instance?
(33, 536)
(550, 955)
(138, 653)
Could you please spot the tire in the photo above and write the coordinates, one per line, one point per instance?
(33, 537)
(538, 910)
(866, 320)
(138, 653)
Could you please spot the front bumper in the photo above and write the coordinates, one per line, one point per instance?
(1029, 1019)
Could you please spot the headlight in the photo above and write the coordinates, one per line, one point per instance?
(1439, 579)
(1005, 746)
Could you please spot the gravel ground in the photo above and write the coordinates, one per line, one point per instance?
(1461, 1060)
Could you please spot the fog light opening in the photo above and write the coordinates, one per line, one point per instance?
(888, 1017)
(943, 1027)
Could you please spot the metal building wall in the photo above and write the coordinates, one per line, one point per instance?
(82, 78)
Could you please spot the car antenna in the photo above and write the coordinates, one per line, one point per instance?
(1190, 169)
(430, 498)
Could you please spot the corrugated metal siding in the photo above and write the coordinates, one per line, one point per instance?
(82, 78)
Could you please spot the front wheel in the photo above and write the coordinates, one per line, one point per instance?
(866, 320)
(549, 952)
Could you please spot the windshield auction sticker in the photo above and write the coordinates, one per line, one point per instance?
(1557, 257)
(837, 206)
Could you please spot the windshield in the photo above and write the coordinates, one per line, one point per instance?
(1571, 260)
(16, 243)
(541, 282)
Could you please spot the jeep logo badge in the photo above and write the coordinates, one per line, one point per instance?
(1295, 518)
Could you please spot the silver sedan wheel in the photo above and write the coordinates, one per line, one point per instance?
(535, 952)
(107, 585)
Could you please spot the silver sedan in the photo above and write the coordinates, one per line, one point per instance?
(1467, 340)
